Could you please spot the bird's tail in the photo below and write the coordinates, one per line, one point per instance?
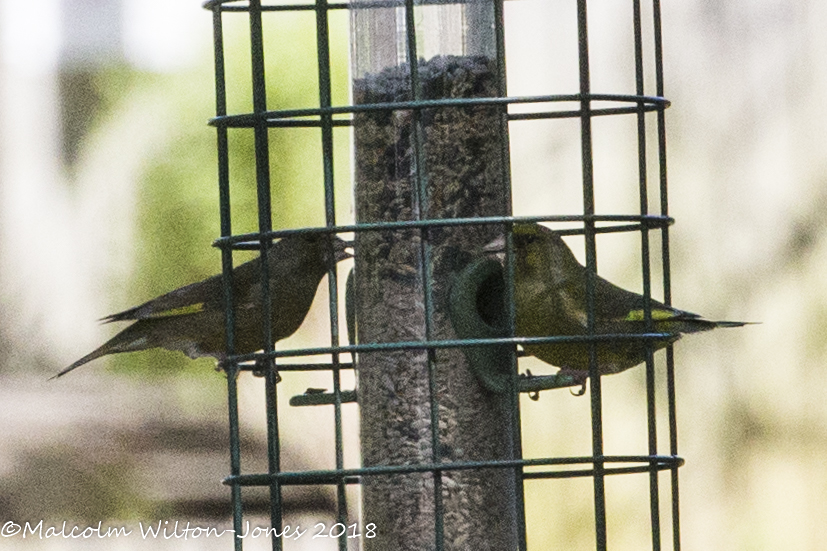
(102, 351)
(695, 325)
(125, 341)
(734, 323)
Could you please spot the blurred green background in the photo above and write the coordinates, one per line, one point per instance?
(108, 198)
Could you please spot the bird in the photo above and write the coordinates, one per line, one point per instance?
(550, 300)
(191, 319)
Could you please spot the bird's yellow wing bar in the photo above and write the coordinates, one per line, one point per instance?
(180, 311)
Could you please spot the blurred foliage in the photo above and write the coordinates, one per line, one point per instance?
(178, 210)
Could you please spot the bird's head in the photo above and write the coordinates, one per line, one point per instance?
(332, 248)
(340, 247)
(540, 252)
(313, 250)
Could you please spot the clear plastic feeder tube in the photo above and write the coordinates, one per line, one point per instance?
(414, 163)
(380, 34)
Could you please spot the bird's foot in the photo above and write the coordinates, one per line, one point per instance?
(223, 364)
(579, 376)
(262, 365)
(534, 395)
(259, 369)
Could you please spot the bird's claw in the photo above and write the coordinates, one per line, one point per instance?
(580, 378)
(534, 395)
(580, 392)
(262, 365)
(225, 365)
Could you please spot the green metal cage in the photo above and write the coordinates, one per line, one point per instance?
(423, 226)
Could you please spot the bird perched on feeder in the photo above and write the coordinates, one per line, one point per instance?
(550, 300)
(191, 319)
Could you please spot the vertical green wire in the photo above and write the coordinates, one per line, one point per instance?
(265, 224)
(512, 401)
(421, 212)
(654, 490)
(326, 120)
(591, 272)
(650, 368)
(231, 368)
(667, 273)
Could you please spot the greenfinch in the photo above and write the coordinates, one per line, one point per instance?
(550, 300)
(191, 319)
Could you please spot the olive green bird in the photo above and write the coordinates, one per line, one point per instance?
(550, 300)
(191, 319)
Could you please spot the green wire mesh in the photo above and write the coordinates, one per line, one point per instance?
(328, 116)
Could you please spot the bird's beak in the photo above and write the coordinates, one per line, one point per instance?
(496, 248)
(340, 249)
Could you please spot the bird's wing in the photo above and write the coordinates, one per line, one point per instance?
(207, 294)
(189, 299)
(613, 303)
(286, 257)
